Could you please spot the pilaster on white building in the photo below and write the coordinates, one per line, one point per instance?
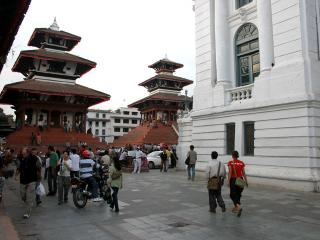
(109, 125)
(257, 89)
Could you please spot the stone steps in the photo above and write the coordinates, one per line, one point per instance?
(54, 136)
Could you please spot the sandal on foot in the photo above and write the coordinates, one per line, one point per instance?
(239, 212)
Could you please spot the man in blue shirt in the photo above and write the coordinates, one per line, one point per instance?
(86, 174)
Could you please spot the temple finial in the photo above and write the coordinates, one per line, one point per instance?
(166, 56)
(54, 26)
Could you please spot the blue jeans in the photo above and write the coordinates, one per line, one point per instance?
(93, 185)
(191, 171)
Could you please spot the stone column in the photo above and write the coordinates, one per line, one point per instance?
(73, 121)
(221, 97)
(37, 116)
(265, 27)
(222, 37)
(49, 119)
(84, 121)
(23, 120)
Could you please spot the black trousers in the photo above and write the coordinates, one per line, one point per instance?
(214, 197)
(114, 203)
(235, 192)
(74, 174)
(52, 180)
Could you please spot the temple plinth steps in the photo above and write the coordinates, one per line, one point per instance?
(149, 134)
(53, 136)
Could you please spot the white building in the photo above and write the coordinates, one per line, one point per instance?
(258, 89)
(109, 125)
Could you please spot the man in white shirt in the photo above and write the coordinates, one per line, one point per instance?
(215, 168)
(137, 162)
(75, 160)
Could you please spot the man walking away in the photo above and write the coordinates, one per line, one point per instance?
(29, 176)
(52, 174)
(216, 171)
(34, 154)
(192, 163)
(173, 158)
(75, 160)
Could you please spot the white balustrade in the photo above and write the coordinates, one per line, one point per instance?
(241, 93)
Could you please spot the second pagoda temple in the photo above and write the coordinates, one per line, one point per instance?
(159, 109)
(164, 99)
(49, 96)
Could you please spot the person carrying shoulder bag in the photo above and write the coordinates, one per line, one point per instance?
(215, 172)
(237, 180)
(115, 181)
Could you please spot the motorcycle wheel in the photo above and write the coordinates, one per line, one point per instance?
(79, 198)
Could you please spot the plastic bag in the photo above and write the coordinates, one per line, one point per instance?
(40, 190)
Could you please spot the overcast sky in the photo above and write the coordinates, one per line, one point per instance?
(122, 36)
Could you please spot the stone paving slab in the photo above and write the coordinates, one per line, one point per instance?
(155, 206)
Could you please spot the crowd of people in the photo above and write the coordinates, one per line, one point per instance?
(61, 167)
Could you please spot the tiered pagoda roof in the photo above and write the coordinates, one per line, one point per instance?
(11, 91)
(24, 63)
(165, 78)
(51, 70)
(38, 39)
(164, 87)
(11, 17)
(160, 98)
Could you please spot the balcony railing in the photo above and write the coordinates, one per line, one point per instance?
(241, 93)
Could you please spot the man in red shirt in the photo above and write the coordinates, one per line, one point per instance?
(236, 170)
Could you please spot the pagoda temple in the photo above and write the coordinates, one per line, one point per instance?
(49, 96)
(159, 109)
(164, 100)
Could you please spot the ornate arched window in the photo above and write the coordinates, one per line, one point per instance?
(247, 54)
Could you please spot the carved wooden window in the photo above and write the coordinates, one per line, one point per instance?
(56, 66)
(247, 54)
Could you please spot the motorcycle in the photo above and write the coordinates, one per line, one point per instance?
(82, 192)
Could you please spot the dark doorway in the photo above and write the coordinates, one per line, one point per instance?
(28, 116)
(55, 119)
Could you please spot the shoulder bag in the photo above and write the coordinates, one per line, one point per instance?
(214, 182)
(187, 161)
(239, 180)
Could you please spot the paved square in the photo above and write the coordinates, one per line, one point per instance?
(156, 206)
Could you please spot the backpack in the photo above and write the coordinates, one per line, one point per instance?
(163, 156)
